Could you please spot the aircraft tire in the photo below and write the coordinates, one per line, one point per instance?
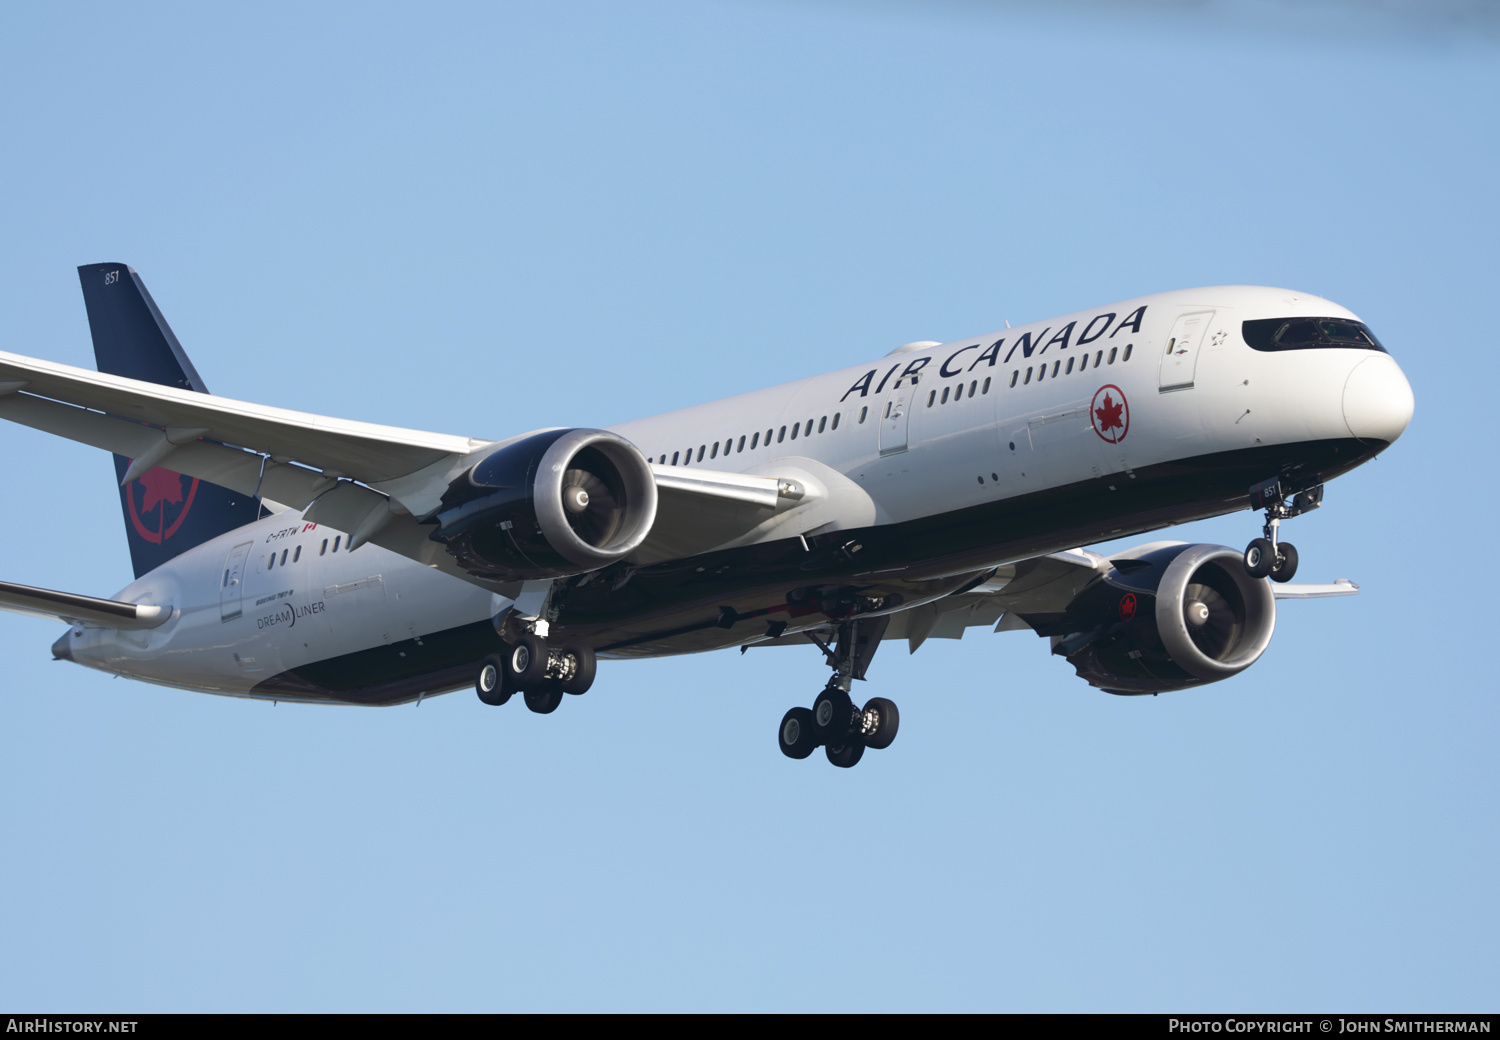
(832, 712)
(1285, 568)
(888, 721)
(545, 698)
(490, 683)
(796, 735)
(526, 660)
(583, 676)
(845, 756)
(1259, 557)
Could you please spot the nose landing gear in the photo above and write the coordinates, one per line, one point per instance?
(843, 730)
(1268, 556)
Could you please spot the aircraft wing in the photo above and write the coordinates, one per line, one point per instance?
(74, 608)
(150, 421)
(1045, 584)
(362, 478)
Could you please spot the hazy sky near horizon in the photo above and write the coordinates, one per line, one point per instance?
(484, 219)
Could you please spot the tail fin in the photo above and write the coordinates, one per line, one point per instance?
(166, 514)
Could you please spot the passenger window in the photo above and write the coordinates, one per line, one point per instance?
(781, 436)
(862, 412)
(1014, 376)
(794, 430)
(807, 427)
(768, 437)
(1069, 370)
(271, 562)
(701, 449)
(1098, 357)
(742, 443)
(931, 398)
(836, 419)
(823, 424)
(675, 456)
(1128, 348)
(283, 557)
(297, 555)
(1055, 366)
(715, 452)
(755, 441)
(972, 384)
(336, 543)
(1028, 375)
(1041, 371)
(1083, 363)
(985, 389)
(945, 395)
(324, 551)
(1112, 352)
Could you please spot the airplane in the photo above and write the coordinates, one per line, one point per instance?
(286, 556)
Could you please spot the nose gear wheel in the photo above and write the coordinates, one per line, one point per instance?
(1268, 556)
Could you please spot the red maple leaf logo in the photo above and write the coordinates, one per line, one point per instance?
(158, 486)
(1109, 415)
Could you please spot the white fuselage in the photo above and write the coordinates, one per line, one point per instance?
(916, 434)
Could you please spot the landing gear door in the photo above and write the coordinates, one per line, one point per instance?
(894, 422)
(1180, 360)
(232, 584)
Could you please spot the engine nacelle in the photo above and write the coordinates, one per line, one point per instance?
(551, 504)
(1172, 618)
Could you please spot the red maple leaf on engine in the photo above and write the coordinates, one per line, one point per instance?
(1109, 415)
(160, 485)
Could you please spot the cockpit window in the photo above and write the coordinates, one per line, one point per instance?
(1309, 333)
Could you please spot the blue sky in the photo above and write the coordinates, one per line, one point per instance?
(486, 219)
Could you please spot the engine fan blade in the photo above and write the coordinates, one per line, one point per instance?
(1213, 623)
(601, 516)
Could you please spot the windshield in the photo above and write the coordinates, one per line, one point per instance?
(1309, 333)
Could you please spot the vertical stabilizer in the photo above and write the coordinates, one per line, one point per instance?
(166, 513)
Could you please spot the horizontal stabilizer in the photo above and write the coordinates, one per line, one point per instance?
(74, 608)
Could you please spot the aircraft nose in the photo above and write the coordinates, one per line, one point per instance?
(1378, 401)
(61, 650)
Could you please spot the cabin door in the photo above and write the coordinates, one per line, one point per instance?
(1180, 360)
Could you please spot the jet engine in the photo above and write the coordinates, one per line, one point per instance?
(548, 505)
(1168, 619)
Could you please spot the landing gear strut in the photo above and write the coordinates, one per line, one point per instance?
(833, 722)
(1268, 556)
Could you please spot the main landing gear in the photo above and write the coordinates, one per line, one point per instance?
(1268, 556)
(833, 722)
(540, 673)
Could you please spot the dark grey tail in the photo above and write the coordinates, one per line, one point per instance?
(166, 514)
